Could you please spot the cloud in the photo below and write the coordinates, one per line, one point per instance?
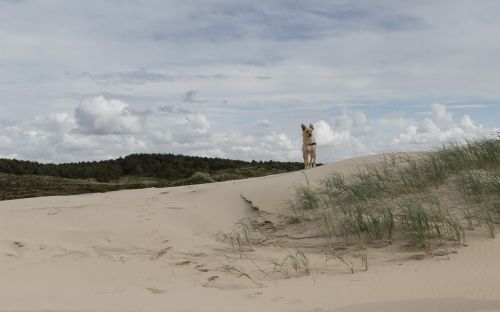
(161, 138)
(441, 128)
(344, 128)
(263, 123)
(174, 109)
(187, 76)
(114, 78)
(99, 128)
(280, 140)
(469, 125)
(213, 152)
(191, 97)
(137, 77)
(197, 123)
(72, 143)
(441, 115)
(395, 119)
(326, 135)
(55, 122)
(101, 116)
(5, 142)
(356, 122)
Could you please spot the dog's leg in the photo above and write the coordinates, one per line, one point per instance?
(313, 158)
(306, 160)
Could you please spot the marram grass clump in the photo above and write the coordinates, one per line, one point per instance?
(402, 195)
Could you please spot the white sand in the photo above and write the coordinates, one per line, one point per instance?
(156, 250)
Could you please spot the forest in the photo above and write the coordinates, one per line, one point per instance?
(20, 178)
(162, 166)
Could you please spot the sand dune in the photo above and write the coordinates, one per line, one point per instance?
(157, 250)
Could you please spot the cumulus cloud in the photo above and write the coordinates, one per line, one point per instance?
(344, 129)
(469, 126)
(107, 127)
(281, 140)
(326, 135)
(441, 115)
(441, 128)
(395, 119)
(55, 122)
(74, 142)
(101, 116)
(356, 122)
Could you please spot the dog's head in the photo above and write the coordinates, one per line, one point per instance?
(307, 132)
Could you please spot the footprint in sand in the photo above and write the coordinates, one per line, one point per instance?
(201, 268)
(183, 263)
(155, 291)
(160, 253)
(70, 254)
(211, 282)
(254, 295)
(18, 244)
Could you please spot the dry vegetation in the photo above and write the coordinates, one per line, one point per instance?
(424, 202)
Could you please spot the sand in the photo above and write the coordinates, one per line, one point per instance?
(157, 250)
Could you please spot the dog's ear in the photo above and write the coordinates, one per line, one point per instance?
(311, 126)
(303, 127)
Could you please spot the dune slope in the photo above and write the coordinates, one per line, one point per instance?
(158, 250)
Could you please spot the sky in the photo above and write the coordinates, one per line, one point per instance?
(93, 80)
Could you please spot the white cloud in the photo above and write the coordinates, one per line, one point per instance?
(59, 136)
(280, 140)
(326, 135)
(102, 116)
(395, 119)
(197, 123)
(213, 152)
(441, 128)
(161, 137)
(427, 126)
(134, 144)
(9, 156)
(469, 126)
(441, 115)
(72, 142)
(55, 122)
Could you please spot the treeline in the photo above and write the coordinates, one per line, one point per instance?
(162, 166)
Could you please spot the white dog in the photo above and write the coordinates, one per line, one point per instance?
(308, 146)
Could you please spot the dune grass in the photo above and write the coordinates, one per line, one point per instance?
(245, 233)
(403, 195)
(422, 201)
(297, 262)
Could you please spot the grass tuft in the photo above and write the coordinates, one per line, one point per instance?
(298, 262)
(244, 234)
